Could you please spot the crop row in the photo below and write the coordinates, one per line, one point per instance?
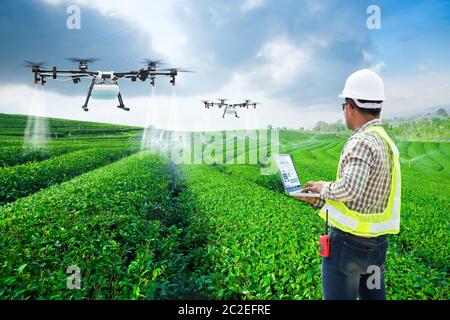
(15, 124)
(14, 155)
(22, 180)
(425, 155)
(121, 225)
(11, 156)
(8, 141)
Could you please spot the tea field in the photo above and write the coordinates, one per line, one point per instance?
(139, 226)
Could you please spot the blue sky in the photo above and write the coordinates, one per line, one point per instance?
(292, 55)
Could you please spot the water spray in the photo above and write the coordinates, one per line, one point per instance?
(36, 131)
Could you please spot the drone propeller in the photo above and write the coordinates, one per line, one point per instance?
(82, 60)
(176, 70)
(152, 62)
(30, 64)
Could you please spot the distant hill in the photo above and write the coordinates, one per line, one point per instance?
(431, 124)
(438, 111)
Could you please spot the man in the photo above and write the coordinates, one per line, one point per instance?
(363, 204)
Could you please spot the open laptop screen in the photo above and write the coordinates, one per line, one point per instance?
(288, 173)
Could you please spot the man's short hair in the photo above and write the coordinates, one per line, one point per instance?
(366, 111)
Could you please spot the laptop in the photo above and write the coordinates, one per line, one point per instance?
(291, 182)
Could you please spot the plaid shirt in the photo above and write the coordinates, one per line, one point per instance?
(365, 169)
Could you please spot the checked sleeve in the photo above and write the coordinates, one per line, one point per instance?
(356, 162)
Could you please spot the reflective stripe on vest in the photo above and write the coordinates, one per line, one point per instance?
(370, 224)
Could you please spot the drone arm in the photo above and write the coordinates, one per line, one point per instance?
(220, 105)
(76, 75)
(67, 72)
(126, 74)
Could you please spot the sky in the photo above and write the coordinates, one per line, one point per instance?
(293, 56)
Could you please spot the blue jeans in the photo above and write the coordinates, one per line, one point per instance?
(355, 267)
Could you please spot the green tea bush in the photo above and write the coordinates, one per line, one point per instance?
(120, 224)
(11, 156)
(260, 244)
(22, 180)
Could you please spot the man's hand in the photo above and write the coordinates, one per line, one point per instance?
(310, 200)
(313, 186)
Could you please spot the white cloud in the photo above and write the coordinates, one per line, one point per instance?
(367, 55)
(250, 5)
(378, 67)
(281, 61)
(368, 58)
(157, 18)
(315, 6)
(417, 92)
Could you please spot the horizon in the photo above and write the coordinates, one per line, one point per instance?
(407, 118)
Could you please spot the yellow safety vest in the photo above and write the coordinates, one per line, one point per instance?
(373, 224)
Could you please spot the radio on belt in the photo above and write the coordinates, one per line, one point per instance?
(324, 241)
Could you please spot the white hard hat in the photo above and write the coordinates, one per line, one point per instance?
(364, 84)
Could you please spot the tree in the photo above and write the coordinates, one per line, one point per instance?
(442, 113)
(321, 126)
(340, 126)
(436, 122)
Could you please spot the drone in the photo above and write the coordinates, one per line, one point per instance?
(104, 84)
(229, 108)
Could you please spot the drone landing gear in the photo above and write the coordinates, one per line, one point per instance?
(121, 105)
(85, 106)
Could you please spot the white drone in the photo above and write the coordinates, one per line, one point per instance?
(104, 84)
